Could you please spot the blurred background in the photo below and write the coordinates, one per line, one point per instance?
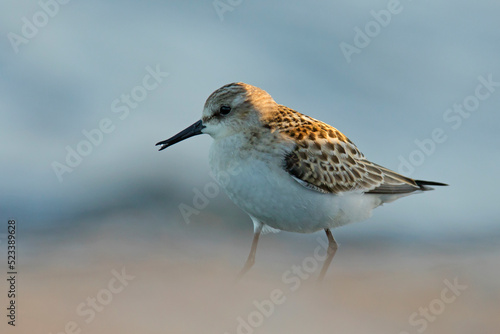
(88, 88)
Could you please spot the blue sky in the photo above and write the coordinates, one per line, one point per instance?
(422, 86)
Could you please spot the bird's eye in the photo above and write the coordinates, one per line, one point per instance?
(224, 110)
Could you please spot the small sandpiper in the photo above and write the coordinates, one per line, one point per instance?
(289, 171)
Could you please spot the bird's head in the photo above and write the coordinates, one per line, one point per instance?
(231, 109)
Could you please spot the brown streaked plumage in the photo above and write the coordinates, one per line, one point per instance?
(325, 160)
(289, 171)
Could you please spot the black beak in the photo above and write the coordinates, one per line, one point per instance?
(191, 131)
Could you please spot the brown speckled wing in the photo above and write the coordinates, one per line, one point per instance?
(326, 161)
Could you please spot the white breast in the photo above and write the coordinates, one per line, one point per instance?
(255, 180)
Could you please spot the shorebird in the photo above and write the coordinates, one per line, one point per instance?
(289, 171)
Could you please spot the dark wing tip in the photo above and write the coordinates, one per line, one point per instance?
(424, 185)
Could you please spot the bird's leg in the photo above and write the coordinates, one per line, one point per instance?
(251, 257)
(332, 248)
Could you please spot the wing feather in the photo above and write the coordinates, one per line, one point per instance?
(339, 170)
(325, 160)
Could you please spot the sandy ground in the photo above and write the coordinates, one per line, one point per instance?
(135, 282)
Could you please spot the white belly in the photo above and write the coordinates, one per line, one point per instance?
(257, 183)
